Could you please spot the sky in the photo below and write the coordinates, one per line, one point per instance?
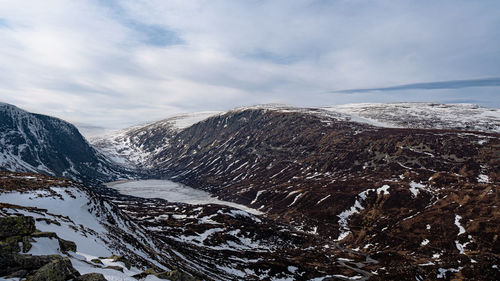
(112, 64)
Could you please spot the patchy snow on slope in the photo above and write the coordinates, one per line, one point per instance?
(384, 190)
(416, 187)
(295, 199)
(483, 179)
(423, 115)
(189, 119)
(82, 262)
(424, 242)
(123, 147)
(44, 246)
(323, 199)
(461, 229)
(76, 215)
(356, 208)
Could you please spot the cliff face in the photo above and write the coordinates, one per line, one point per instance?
(38, 143)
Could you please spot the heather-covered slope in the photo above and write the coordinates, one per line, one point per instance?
(397, 194)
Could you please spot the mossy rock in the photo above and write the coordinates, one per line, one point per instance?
(116, 258)
(56, 270)
(30, 262)
(7, 264)
(115, 267)
(91, 277)
(66, 245)
(16, 226)
(98, 261)
(175, 275)
(38, 234)
(48, 221)
(27, 243)
(21, 273)
(145, 273)
(10, 245)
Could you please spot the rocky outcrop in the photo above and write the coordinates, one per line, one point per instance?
(56, 270)
(16, 230)
(91, 277)
(16, 226)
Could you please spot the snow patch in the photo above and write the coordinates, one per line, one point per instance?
(461, 229)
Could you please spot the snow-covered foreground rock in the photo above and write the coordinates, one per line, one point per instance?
(71, 222)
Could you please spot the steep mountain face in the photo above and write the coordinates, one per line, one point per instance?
(38, 143)
(421, 202)
(136, 147)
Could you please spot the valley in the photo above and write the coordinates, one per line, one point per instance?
(274, 192)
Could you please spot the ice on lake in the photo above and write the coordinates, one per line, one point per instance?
(173, 192)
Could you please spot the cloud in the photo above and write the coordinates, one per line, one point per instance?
(453, 84)
(115, 63)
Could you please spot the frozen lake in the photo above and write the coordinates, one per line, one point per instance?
(173, 192)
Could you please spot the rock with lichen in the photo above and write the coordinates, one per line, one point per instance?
(56, 270)
(91, 277)
(16, 226)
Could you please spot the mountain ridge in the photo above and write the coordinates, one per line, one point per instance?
(342, 198)
(39, 143)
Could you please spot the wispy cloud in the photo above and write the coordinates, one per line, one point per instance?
(453, 84)
(116, 63)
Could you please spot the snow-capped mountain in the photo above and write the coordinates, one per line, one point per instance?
(468, 117)
(372, 187)
(136, 147)
(341, 193)
(139, 146)
(38, 143)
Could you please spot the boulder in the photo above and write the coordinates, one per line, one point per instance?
(16, 226)
(115, 267)
(21, 273)
(175, 275)
(66, 245)
(91, 277)
(10, 245)
(56, 270)
(145, 273)
(97, 261)
(30, 262)
(38, 234)
(116, 258)
(8, 249)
